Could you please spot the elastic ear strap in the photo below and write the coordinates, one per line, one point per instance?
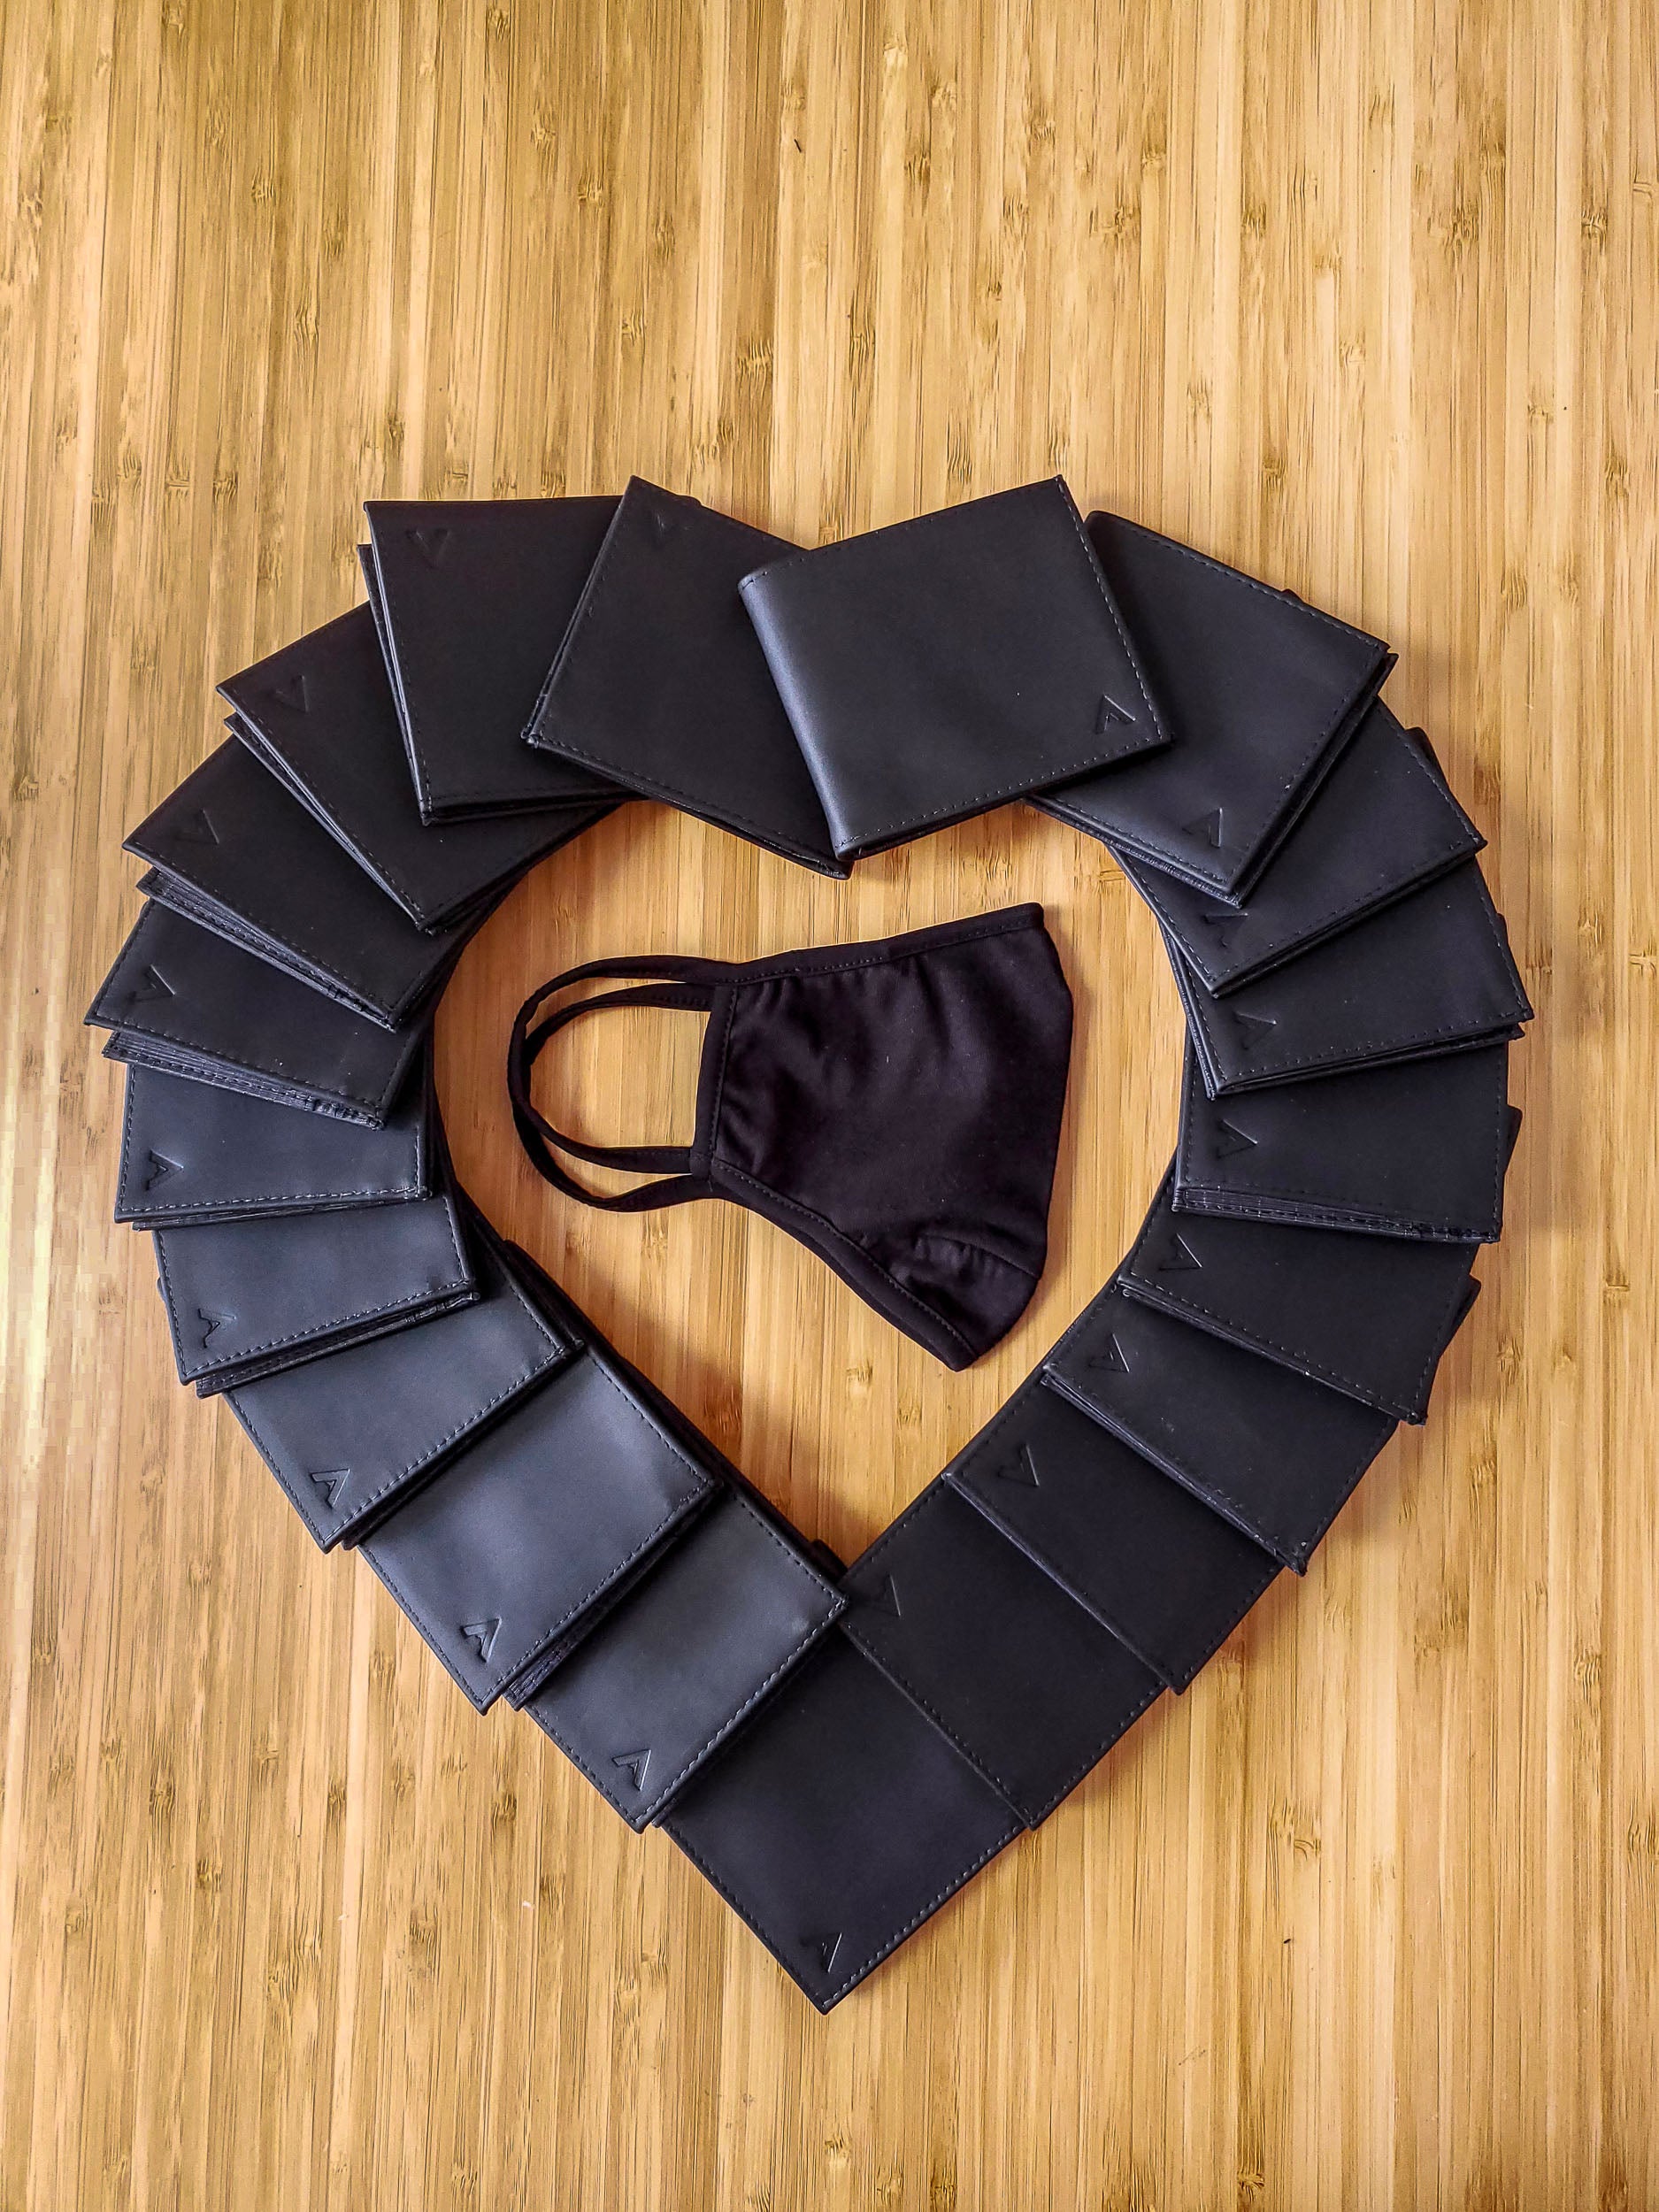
(536, 1134)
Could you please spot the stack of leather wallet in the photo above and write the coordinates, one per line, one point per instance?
(837, 1749)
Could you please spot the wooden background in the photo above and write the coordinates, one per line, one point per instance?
(1366, 299)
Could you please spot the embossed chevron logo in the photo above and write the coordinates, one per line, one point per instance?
(151, 984)
(1253, 1028)
(1022, 1469)
(160, 1168)
(634, 1764)
(663, 526)
(1206, 828)
(215, 1323)
(1111, 712)
(1179, 1256)
(886, 1599)
(827, 1947)
(1227, 1141)
(330, 1481)
(293, 693)
(432, 545)
(1111, 1356)
(1222, 922)
(197, 829)
(482, 1634)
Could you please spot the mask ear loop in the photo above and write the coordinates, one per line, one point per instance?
(689, 989)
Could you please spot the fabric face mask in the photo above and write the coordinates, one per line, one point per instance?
(895, 1106)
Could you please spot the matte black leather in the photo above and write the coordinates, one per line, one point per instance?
(712, 1627)
(838, 1821)
(1157, 1565)
(233, 850)
(194, 1153)
(320, 714)
(1028, 1686)
(351, 1435)
(1278, 1456)
(1414, 1150)
(1382, 823)
(180, 999)
(1428, 974)
(942, 665)
(1259, 693)
(249, 1298)
(532, 1523)
(660, 684)
(1369, 1316)
(447, 575)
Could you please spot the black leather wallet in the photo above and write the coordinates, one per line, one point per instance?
(534, 1521)
(838, 1821)
(1259, 693)
(1274, 1454)
(232, 850)
(1369, 1316)
(183, 1000)
(320, 716)
(442, 574)
(1154, 1564)
(1414, 1150)
(1029, 1686)
(193, 1153)
(1429, 975)
(660, 684)
(349, 1437)
(709, 1630)
(249, 1298)
(944, 665)
(1382, 823)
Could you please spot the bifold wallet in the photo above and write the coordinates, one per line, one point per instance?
(1414, 1150)
(1369, 1316)
(1382, 823)
(1155, 1564)
(1428, 975)
(685, 1657)
(249, 1298)
(660, 685)
(941, 665)
(322, 716)
(1026, 1683)
(1259, 693)
(839, 1820)
(440, 575)
(1272, 1453)
(193, 1153)
(534, 1521)
(230, 848)
(349, 1437)
(188, 1001)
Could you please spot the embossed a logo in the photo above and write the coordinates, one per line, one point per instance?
(1111, 1356)
(825, 1946)
(150, 984)
(160, 1168)
(1221, 924)
(215, 1323)
(1207, 828)
(1110, 713)
(483, 1635)
(431, 545)
(1022, 1468)
(1253, 1028)
(1179, 1256)
(293, 693)
(197, 828)
(1227, 1141)
(634, 1765)
(330, 1482)
(886, 1599)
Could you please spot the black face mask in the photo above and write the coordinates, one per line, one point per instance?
(895, 1106)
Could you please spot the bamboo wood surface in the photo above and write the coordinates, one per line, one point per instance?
(1363, 298)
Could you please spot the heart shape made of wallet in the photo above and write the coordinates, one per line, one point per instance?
(837, 1747)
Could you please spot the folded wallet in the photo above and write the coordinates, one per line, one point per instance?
(945, 665)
